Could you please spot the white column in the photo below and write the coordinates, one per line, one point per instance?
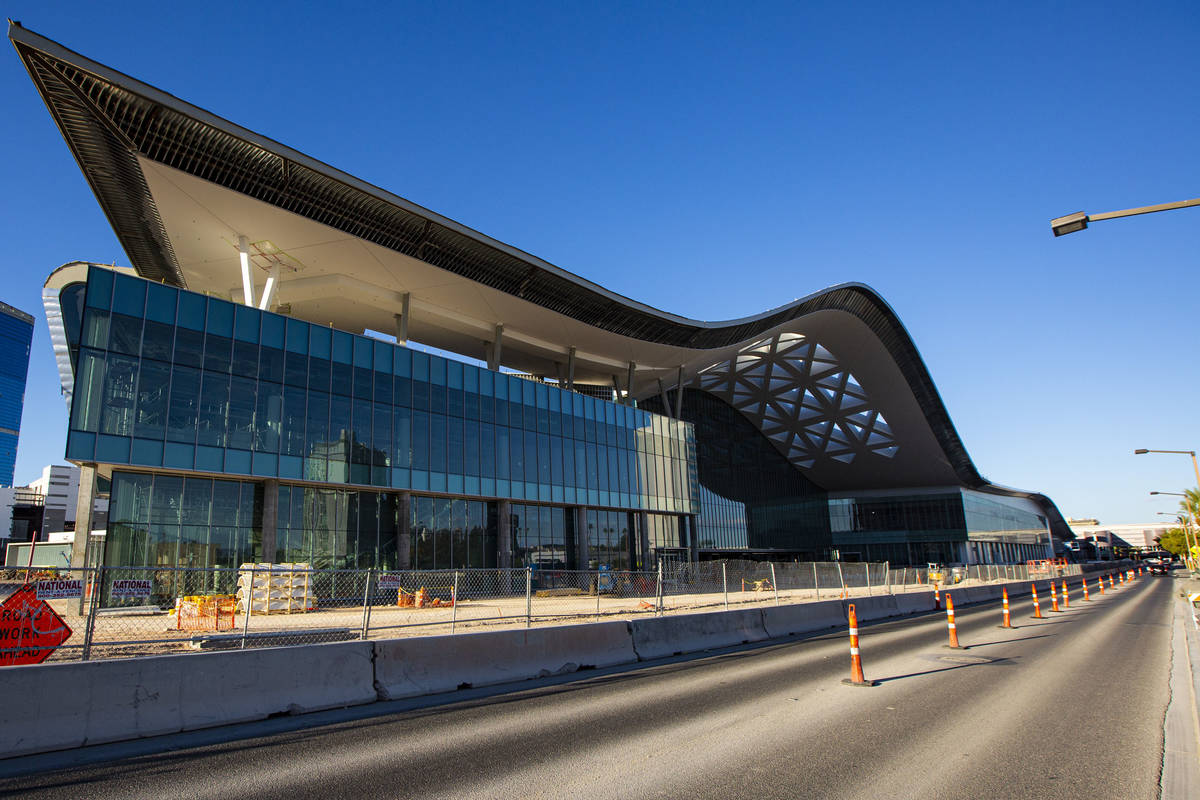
(247, 277)
(270, 289)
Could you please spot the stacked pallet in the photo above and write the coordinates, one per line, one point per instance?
(275, 588)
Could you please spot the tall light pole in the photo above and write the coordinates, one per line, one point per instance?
(1182, 519)
(1187, 529)
(1195, 469)
(1079, 220)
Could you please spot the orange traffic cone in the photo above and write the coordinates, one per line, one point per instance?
(856, 671)
(950, 626)
(1007, 617)
(1037, 607)
(1066, 597)
(1054, 597)
(1085, 592)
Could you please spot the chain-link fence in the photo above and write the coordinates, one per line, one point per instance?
(117, 612)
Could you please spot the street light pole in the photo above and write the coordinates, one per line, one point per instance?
(1187, 528)
(1078, 221)
(1195, 468)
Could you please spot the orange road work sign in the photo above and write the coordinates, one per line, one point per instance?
(30, 630)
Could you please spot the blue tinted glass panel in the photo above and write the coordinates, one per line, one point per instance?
(100, 287)
(129, 295)
(343, 347)
(220, 317)
(246, 321)
(160, 303)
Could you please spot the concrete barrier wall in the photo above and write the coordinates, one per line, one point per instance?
(790, 620)
(660, 637)
(914, 603)
(872, 608)
(434, 664)
(56, 706)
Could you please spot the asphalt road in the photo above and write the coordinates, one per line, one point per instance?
(1071, 706)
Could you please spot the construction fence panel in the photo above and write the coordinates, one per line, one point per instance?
(46, 614)
(119, 612)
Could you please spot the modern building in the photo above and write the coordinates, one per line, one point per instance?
(21, 510)
(1141, 536)
(59, 488)
(16, 334)
(249, 388)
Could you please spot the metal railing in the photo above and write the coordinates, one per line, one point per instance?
(119, 612)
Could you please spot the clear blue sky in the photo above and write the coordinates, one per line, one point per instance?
(717, 159)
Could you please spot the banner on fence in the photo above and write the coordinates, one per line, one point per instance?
(59, 589)
(127, 588)
(389, 580)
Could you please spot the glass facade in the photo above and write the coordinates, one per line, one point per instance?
(175, 380)
(543, 537)
(751, 497)
(162, 519)
(336, 528)
(217, 416)
(990, 518)
(453, 533)
(16, 332)
(610, 539)
(172, 520)
(955, 525)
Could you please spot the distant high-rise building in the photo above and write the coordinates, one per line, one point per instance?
(16, 332)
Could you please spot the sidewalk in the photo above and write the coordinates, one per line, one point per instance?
(1181, 734)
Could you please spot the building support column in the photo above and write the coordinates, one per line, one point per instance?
(693, 538)
(402, 321)
(504, 535)
(581, 539)
(83, 515)
(404, 530)
(679, 393)
(666, 401)
(494, 349)
(616, 390)
(270, 520)
(247, 274)
(629, 384)
(571, 369)
(643, 521)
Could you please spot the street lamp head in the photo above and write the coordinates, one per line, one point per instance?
(1069, 224)
(1140, 452)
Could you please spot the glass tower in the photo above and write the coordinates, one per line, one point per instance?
(16, 332)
